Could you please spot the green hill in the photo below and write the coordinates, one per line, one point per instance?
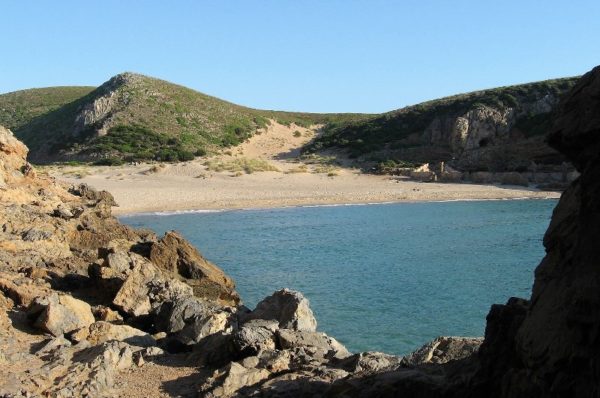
(20, 107)
(134, 117)
(501, 128)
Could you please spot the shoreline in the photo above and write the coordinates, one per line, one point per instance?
(268, 171)
(163, 212)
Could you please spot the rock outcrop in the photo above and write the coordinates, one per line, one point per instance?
(70, 269)
(548, 346)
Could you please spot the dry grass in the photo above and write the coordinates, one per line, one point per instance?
(77, 173)
(245, 165)
(157, 168)
(328, 169)
(300, 169)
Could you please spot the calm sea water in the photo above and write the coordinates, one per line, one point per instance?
(379, 277)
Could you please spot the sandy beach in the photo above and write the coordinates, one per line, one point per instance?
(232, 180)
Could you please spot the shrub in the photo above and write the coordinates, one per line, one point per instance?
(108, 162)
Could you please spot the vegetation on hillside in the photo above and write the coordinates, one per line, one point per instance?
(136, 118)
(390, 130)
(21, 107)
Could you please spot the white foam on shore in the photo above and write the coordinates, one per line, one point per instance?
(207, 211)
(173, 212)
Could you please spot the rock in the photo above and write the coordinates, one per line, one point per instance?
(100, 332)
(79, 335)
(255, 336)
(300, 383)
(215, 350)
(90, 194)
(513, 178)
(227, 381)
(23, 294)
(93, 371)
(443, 350)
(174, 254)
(275, 361)
(133, 297)
(319, 345)
(370, 362)
(119, 261)
(151, 352)
(146, 287)
(291, 309)
(63, 212)
(191, 319)
(53, 344)
(63, 314)
(12, 157)
(33, 235)
(106, 314)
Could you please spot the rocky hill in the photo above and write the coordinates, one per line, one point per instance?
(495, 130)
(134, 117)
(90, 307)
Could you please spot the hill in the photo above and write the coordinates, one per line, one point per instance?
(20, 107)
(134, 117)
(497, 130)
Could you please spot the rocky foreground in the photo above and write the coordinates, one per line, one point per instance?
(85, 299)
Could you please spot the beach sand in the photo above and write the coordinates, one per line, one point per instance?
(194, 186)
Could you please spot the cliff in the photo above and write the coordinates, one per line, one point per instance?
(496, 130)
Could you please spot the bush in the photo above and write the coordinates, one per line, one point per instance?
(297, 134)
(108, 162)
(184, 156)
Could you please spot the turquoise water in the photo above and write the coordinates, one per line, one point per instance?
(379, 277)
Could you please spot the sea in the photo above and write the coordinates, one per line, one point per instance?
(379, 277)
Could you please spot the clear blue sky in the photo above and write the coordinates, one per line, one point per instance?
(319, 56)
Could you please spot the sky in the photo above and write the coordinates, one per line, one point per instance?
(315, 56)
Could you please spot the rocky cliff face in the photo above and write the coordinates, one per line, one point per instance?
(493, 130)
(550, 345)
(95, 116)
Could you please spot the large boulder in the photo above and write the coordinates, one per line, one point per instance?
(255, 336)
(443, 349)
(146, 288)
(101, 332)
(227, 381)
(317, 345)
(191, 319)
(175, 254)
(60, 314)
(370, 362)
(290, 308)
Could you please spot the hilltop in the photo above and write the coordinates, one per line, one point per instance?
(500, 129)
(134, 117)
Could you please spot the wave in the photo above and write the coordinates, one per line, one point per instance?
(173, 212)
